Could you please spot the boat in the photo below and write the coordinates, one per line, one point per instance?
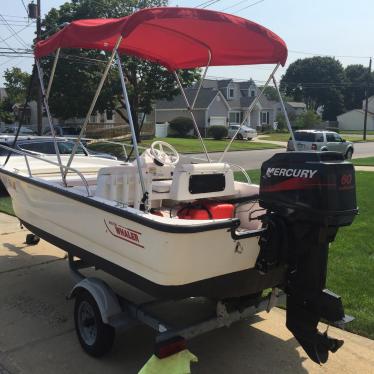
(178, 230)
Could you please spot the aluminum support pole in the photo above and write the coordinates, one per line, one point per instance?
(285, 114)
(202, 79)
(131, 123)
(249, 110)
(46, 106)
(52, 73)
(190, 109)
(93, 103)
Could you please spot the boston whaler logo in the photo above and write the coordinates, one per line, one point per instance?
(124, 233)
(296, 173)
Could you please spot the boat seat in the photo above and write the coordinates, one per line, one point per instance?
(119, 183)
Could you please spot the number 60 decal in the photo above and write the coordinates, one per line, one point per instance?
(346, 179)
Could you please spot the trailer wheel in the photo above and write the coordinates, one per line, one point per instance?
(95, 337)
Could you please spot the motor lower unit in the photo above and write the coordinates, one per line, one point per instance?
(308, 196)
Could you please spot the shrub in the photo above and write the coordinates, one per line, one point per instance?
(217, 132)
(180, 126)
(307, 120)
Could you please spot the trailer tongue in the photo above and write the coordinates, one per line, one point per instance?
(308, 196)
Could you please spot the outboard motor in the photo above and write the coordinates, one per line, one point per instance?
(308, 196)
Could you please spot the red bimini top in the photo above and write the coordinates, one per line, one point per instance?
(177, 38)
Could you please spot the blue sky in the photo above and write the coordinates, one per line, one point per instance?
(339, 28)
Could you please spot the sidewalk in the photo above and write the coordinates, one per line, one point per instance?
(364, 168)
(261, 139)
(37, 329)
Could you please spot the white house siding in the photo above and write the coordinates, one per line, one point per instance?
(370, 104)
(354, 120)
(217, 108)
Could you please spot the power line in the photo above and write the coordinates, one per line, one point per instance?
(12, 16)
(324, 54)
(18, 38)
(27, 12)
(233, 6)
(205, 4)
(19, 31)
(248, 6)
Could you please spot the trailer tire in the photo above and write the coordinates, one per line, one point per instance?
(95, 337)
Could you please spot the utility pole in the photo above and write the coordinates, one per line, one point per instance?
(34, 13)
(39, 98)
(367, 99)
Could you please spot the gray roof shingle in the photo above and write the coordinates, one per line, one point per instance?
(206, 96)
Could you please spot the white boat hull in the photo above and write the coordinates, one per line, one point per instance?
(166, 259)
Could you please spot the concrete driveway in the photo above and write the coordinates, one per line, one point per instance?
(37, 333)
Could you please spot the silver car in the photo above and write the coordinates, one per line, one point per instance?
(319, 140)
(244, 133)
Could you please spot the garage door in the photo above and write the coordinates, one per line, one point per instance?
(217, 121)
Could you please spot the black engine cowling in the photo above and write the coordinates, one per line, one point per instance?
(308, 196)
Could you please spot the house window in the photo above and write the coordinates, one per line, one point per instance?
(230, 92)
(109, 114)
(253, 93)
(235, 117)
(264, 118)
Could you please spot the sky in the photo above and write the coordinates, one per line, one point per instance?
(340, 28)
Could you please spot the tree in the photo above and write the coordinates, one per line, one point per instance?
(271, 93)
(6, 111)
(217, 132)
(16, 83)
(307, 120)
(357, 80)
(318, 81)
(77, 76)
(181, 126)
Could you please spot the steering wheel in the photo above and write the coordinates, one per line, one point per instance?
(159, 154)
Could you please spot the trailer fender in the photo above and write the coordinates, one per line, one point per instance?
(104, 296)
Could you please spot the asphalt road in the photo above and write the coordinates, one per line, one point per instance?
(37, 330)
(253, 159)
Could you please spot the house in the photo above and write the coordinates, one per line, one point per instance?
(293, 108)
(211, 108)
(3, 93)
(354, 119)
(220, 102)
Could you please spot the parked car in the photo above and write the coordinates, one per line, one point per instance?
(13, 130)
(44, 146)
(64, 131)
(244, 133)
(320, 140)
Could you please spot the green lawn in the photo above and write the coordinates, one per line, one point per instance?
(351, 257)
(351, 261)
(184, 145)
(355, 139)
(6, 205)
(366, 161)
(358, 132)
(277, 136)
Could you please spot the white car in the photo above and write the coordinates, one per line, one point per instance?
(245, 132)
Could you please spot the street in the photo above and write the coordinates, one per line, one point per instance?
(250, 160)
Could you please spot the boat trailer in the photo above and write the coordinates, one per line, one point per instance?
(95, 298)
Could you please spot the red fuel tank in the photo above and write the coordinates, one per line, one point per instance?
(206, 210)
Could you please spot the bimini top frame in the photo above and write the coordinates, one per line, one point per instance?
(177, 38)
